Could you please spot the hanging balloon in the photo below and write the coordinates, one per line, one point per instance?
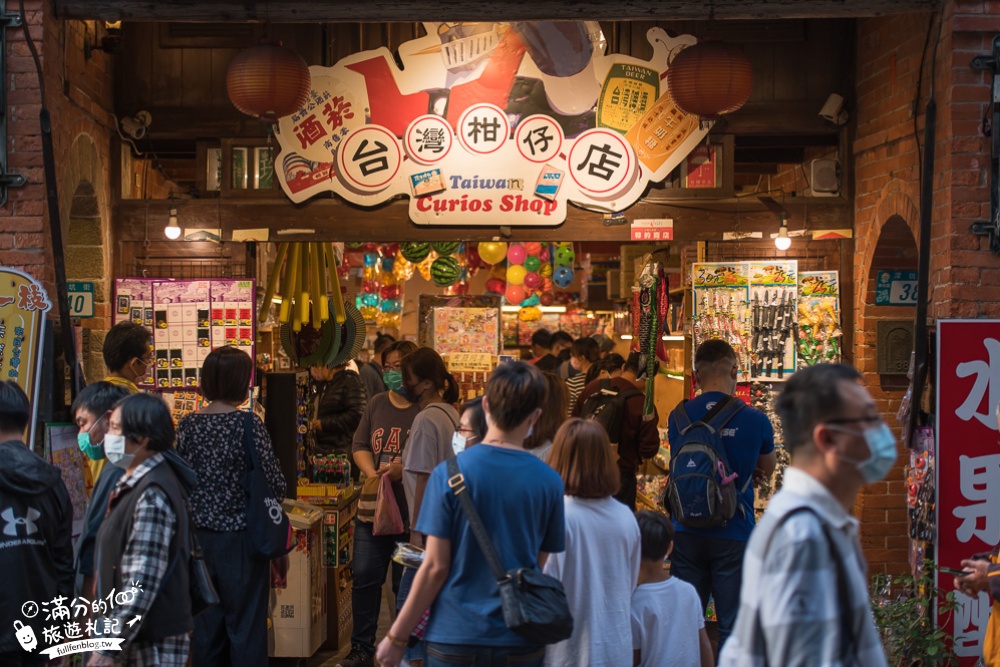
(415, 252)
(369, 312)
(369, 299)
(404, 268)
(472, 258)
(532, 280)
(530, 301)
(445, 248)
(388, 263)
(495, 286)
(545, 255)
(563, 277)
(371, 259)
(533, 248)
(529, 314)
(565, 255)
(532, 263)
(389, 249)
(514, 295)
(546, 285)
(445, 271)
(546, 298)
(492, 252)
(515, 274)
(545, 270)
(516, 254)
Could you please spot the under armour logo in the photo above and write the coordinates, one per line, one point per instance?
(12, 522)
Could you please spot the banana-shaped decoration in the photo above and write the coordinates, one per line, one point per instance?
(272, 282)
(318, 296)
(291, 277)
(338, 299)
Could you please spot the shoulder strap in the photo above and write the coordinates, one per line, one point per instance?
(720, 405)
(441, 407)
(456, 482)
(719, 419)
(843, 593)
(681, 417)
(248, 447)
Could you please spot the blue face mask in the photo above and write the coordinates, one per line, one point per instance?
(91, 451)
(882, 448)
(394, 381)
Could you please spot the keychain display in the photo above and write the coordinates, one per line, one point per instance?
(774, 317)
(920, 487)
(819, 331)
(721, 308)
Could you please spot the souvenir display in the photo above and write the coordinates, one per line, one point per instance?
(819, 318)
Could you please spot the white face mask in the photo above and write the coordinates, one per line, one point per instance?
(114, 451)
(458, 442)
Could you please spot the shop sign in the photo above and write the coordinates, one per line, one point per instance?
(653, 230)
(490, 124)
(968, 465)
(23, 304)
(81, 299)
(896, 288)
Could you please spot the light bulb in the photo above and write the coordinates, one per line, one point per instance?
(172, 230)
(781, 241)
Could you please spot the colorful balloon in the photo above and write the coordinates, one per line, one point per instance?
(514, 295)
(495, 286)
(565, 255)
(545, 255)
(492, 252)
(533, 248)
(532, 280)
(532, 263)
(416, 252)
(546, 298)
(515, 274)
(545, 270)
(530, 301)
(516, 254)
(563, 277)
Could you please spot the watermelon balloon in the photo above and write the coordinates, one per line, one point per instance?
(445, 271)
(565, 256)
(532, 263)
(415, 252)
(563, 277)
(445, 248)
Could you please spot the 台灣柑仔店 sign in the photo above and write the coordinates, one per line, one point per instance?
(490, 124)
(896, 288)
(81, 299)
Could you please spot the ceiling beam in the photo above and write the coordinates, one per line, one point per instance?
(301, 11)
(334, 220)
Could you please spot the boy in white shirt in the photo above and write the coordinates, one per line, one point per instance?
(668, 628)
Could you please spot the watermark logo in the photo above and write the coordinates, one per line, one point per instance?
(79, 625)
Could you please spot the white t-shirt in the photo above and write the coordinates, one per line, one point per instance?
(599, 571)
(666, 620)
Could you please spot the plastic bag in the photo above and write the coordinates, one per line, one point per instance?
(388, 520)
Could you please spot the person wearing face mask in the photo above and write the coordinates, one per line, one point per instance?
(805, 589)
(711, 559)
(145, 539)
(553, 415)
(471, 426)
(519, 500)
(377, 447)
(36, 552)
(372, 372)
(584, 354)
(337, 404)
(91, 412)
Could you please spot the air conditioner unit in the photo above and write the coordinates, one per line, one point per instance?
(824, 177)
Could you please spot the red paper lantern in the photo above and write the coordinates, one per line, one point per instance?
(268, 81)
(709, 79)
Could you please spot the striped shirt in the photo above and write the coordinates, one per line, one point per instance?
(790, 613)
(575, 386)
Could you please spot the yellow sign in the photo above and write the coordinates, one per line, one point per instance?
(23, 304)
(470, 362)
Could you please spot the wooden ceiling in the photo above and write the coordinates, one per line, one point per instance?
(297, 11)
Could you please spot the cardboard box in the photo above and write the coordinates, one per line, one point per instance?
(298, 612)
(340, 617)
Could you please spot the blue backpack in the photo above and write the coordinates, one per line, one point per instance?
(702, 491)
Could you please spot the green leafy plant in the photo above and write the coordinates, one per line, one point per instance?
(905, 616)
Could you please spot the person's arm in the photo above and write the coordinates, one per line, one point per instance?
(418, 497)
(268, 461)
(767, 460)
(365, 462)
(428, 583)
(543, 558)
(649, 434)
(147, 553)
(705, 647)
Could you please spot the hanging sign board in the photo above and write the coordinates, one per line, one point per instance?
(968, 466)
(653, 230)
(896, 288)
(23, 304)
(490, 124)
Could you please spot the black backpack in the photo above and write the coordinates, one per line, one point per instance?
(607, 407)
(702, 490)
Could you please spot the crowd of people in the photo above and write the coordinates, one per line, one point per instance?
(554, 485)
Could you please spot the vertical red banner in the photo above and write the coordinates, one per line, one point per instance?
(968, 464)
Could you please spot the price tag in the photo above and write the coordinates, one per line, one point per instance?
(81, 299)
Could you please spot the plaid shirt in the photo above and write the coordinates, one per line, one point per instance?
(144, 561)
(790, 613)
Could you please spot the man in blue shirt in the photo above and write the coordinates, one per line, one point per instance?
(711, 559)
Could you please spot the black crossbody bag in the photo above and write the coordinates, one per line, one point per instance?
(534, 604)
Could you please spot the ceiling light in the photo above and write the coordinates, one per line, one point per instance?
(781, 241)
(172, 230)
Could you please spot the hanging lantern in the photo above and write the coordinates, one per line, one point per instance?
(268, 81)
(709, 79)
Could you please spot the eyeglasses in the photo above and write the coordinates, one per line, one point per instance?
(468, 432)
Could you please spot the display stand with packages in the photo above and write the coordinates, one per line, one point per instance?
(774, 313)
(721, 307)
(819, 337)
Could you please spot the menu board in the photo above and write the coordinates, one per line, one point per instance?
(187, 319)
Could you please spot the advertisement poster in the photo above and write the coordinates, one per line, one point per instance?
(490, 123)
(187, 319)
(968, 465)
(467, 330)
(64, 453)
(23, 304)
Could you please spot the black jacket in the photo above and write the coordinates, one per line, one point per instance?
(36, 533)
(341, 403)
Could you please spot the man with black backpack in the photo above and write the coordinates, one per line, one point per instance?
(617, 405)
(718, 444)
